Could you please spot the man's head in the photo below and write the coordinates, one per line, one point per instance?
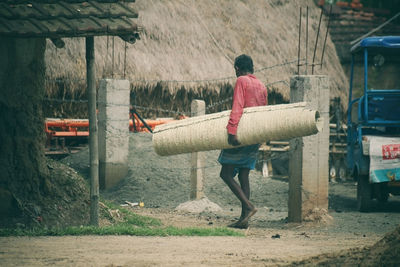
(243, 65)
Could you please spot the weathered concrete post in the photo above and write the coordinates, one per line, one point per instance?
(198, 201)
(308, 160)
(198, 107)
(113, 131)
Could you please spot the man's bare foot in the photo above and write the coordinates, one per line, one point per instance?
(243, 222)
(239, 224)
(248, 215)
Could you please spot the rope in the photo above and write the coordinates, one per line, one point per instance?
(58, 80)
(207, 108)
(208, 166)
(216, 79)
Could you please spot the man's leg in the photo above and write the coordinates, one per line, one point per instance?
(227, 175)
(245, 185)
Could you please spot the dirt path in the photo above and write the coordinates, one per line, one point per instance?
(277, 244)
(255, 250)
(163, 183)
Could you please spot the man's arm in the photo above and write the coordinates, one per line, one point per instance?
(236, 112)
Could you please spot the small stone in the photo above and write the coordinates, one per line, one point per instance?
(276, 236)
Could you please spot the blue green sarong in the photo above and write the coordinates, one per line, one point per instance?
(240, 157)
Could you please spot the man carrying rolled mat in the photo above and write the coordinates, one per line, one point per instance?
(248, 92)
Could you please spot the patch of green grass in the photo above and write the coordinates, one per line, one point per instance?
(121, 229)
(132, 224)
(131, 217)
(143, 221)
(197, 231)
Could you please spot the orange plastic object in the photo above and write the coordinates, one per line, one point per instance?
(80, 127)
(356, 5)
(66, 128)
(140, 127)
(342, 4)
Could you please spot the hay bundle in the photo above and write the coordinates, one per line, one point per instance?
(257, 125)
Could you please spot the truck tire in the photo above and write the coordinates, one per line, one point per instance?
(383, 193)
(364, 193)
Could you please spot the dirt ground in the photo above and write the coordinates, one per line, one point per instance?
(162, 183)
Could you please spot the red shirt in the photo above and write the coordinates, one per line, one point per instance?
(248, 92)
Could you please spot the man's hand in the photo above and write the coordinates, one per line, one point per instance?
(232, 140)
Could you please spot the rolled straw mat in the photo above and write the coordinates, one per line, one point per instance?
(257, 125)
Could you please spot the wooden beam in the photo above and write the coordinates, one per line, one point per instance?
(93, 134)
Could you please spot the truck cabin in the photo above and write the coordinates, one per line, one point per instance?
(375, 85)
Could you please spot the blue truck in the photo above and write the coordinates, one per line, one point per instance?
(373, 120)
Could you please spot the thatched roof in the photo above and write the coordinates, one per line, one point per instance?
(193, 43)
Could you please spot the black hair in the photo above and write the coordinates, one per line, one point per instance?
(244, 63)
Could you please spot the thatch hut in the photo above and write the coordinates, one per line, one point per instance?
(187, 49)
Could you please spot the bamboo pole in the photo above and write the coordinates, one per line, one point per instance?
(93, 135)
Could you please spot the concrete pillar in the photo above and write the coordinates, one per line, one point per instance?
(198, 108)
(309, 156)
(113, 131)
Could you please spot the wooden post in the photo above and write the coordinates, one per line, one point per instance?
(93, 135)
(198, 108)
